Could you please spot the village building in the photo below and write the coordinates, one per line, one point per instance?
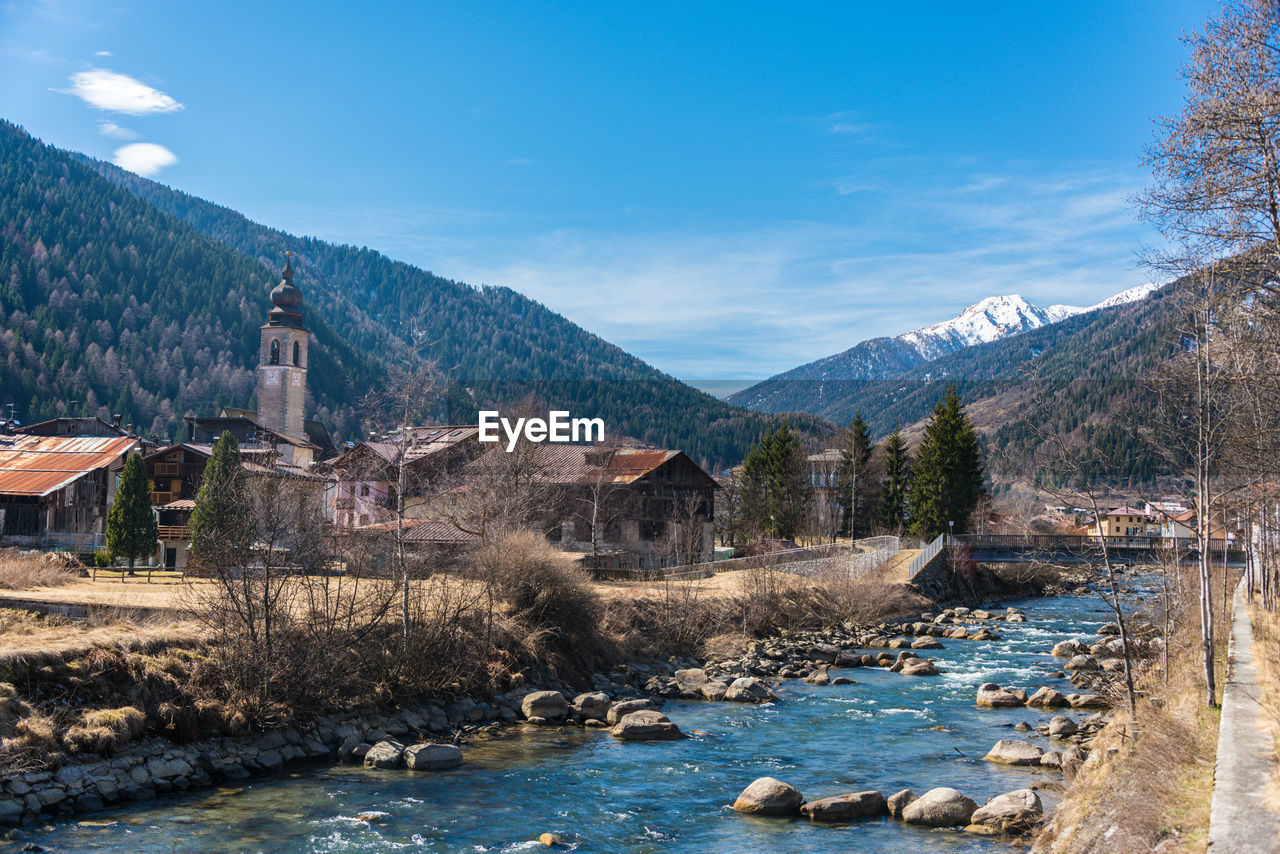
(627, 508)
(367, 477)
(1126, 521)
(824, 482)
(55, 491)
(176, 473)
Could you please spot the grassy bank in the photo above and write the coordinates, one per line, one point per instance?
(1148, 785)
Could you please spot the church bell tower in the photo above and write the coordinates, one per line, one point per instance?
(282, 360)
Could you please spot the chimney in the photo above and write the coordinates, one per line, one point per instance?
(115, 420)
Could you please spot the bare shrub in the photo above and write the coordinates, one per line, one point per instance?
(34, 745)
(24, 570)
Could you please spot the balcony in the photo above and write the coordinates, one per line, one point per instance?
(174, 532)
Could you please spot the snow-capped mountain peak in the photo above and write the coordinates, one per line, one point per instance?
(989, 320)
(1000, 317)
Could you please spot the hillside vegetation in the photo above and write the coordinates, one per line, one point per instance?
(125, 296)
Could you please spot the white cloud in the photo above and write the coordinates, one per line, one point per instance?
(144, 158)
(102, 53)
(112, 129)
(119, 93)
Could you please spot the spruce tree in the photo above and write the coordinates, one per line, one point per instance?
(855, 454)
(220, 518)
(775, 487)
(896, 484)
(948, 479)
(131, 524)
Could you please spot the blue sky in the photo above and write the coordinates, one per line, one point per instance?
(725, 190)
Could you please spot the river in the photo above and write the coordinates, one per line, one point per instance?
(888, 733)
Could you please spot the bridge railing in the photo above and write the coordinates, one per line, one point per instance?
(1082, 543)
(926, 556)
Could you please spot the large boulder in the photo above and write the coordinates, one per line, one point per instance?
(926, 643)
(623, 708)
(819, 677)
(713, 690)
(432, 757)
(550, 705)
(1011, 752)
(919, 667)
(1062, 726)
(1081, 662)
(1012, 813)
(1068, 648)
(1086, 701)
(690, 681)
(992, 696)
(769, 796)
(592, 705)
(845, 807)
(898, 801)
(941, 807)
(646, 725)
(748, 689)
(385, 754)
(1046, 698)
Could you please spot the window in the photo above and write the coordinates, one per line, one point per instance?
(275, 352)
(364, 490)
(296, 349)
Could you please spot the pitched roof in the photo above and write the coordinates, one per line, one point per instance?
(587, 464)
(426, 442)
(423, 531)
(39, 465)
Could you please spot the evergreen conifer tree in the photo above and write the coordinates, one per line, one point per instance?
(948, 476)
(896, 484)
(220, 518)
(131, 524)
(855, 454)
(775, 484)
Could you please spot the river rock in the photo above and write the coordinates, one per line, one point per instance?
(845, 807)
(1081, 662)
(919, 667)
(713, 690)
(748, 689)
(926, 643)
(979, 614)
(385, 754)
(432, 757)
(898, 801)
(992, 696)
(625, 707)
(1062, 726)
(1109, 629)
(769, 796)
(549, 705)
(1012, 752)
(592, 705)
(646, 725)
(1086, 701)
(1012, 813)
(984, 634)
(1051, 759)
(1046, 698)
(941, 807)
(819, 677)
(1068, 648)
(353, 749)
(690, 680)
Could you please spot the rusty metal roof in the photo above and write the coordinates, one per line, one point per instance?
(39, 465)
(586, 464)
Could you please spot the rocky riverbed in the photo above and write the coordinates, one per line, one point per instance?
(836, 712)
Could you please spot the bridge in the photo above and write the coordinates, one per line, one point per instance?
(1054, 548)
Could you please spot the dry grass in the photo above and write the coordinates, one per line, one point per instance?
(25, 570)
(1157, 790)
(1266, 652)
(105, 731)
(27, 638)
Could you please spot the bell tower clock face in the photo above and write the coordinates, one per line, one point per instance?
(273, 376)
(295, 379)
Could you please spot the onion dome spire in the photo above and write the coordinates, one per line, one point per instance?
(286, 298)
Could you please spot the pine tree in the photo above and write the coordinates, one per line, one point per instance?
(131, 524)
(220, 518)
(948, 479)
(896, 483)
(775, 488)
(855, 454)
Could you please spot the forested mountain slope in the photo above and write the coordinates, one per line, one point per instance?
(1085, 371)
(130, 297)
